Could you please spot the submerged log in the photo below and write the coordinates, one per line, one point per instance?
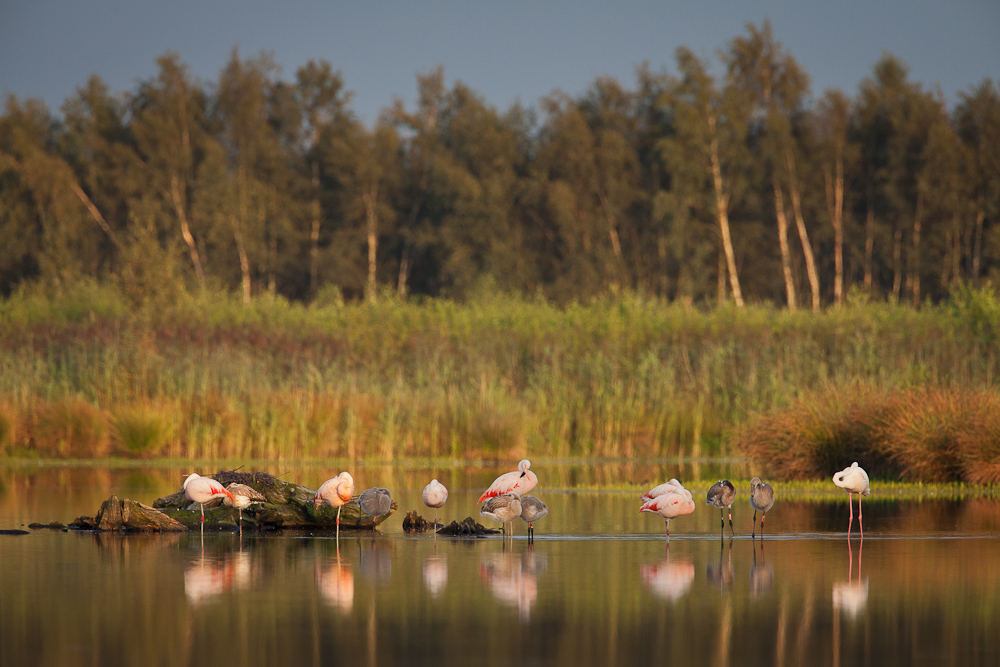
(466, 527)
(129, 515)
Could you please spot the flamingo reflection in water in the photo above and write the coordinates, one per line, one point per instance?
(668, 579)
(435, 574)
(761, 573)
(513, 579)
(721, 573)
(335, 583)
(851, 596)
(208, 577)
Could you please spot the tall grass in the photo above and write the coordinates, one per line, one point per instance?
(919, 434)
(499, 377)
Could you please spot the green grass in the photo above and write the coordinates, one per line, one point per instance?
(500, 378)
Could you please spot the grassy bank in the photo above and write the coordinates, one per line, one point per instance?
(86, 373)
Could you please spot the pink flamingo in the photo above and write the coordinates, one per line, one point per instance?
(670, 504)
(202, 490)
(335, 492)
(855, 480)
(435, 495)
(673, 486)
(519, 482)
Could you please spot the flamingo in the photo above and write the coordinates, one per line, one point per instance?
(203, 490)
(335, 492)
(503, 508)
(375, 502)
(519, 483)
(855, 480)
(762, 499)
(722, 495)
(670, 504)
(532, 509)
(673, 486)
(243, 496)
(435, 495)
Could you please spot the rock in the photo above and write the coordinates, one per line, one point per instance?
(52, 525)
(414, 523)
(130, 515)
(14, 532)
(287, 505)
(467, 527)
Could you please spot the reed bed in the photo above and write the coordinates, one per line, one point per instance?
(87, 373)
(911, 434)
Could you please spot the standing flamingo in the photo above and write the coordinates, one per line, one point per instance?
(375, 502)
(243, 496)
(532, 509)
(670, 504)
(673, 486)
(503, 508)
(855, 480)
(203, 490)
(435, 495)
(762, 499)
(519, 483)
(722, 495)
(335, 492)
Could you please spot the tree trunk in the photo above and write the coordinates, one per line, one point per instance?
(800, 223)
(897, 264)
(722, 205)
(179, 208)
(869, 242)
(314, 233)
(786, 255)
(835, 204)
(977, 247)
(915, 258)
(370, 197)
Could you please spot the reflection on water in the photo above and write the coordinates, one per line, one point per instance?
(598, 587)
(668, 579)
(435, 574)
(335, 583)
(851, 596)
(513, 578)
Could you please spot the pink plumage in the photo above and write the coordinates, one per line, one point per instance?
(673, 486)
(202, 490)
(519, 483)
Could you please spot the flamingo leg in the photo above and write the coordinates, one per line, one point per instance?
(850, 508)
(861, 528)
(731, 523)
(753, 530)
(762, 517)
(338, 524)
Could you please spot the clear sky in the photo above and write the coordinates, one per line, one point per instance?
(506, 50)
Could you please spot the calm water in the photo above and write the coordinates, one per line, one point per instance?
(597, 586)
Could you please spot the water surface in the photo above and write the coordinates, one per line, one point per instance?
(598, 585)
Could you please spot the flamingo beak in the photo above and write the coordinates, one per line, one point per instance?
(523, 474)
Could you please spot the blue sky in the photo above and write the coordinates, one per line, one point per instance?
(505, 51)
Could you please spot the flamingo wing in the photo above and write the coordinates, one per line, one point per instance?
(502, 485)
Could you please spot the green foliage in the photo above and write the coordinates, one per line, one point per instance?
(206, 376)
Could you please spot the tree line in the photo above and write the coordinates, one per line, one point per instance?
(687, 186)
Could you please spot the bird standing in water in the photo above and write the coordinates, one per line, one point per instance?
(855, 480)
(243, 496)
(503, 508)
(375, 502)
(203, 490)
(435, 495)
(520, 482)
(335, 492)
(532, 509)
(762, 499)
(670, 503)
(722, 495)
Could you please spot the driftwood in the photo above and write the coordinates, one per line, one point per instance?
(467, 527)
(287, 505)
